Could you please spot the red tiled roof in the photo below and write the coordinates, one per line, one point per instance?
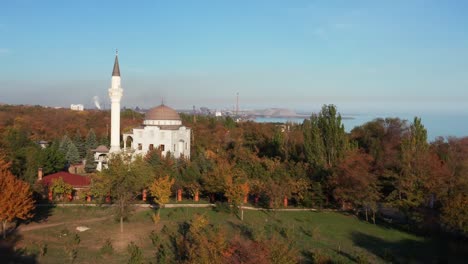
(74, 180)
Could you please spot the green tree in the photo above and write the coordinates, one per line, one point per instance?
(90, 165)
(69, 150)
(325, 140)
(91, 140)
(122, 181)
(409, 192)
(52, 159)
(72, 155)
(79, 142)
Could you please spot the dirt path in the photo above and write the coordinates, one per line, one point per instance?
(37, 226)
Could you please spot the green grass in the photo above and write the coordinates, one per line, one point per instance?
(343, 237)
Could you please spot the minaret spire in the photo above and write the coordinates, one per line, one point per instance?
(115, 94)
(116, 71)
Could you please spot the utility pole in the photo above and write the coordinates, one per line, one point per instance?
(237, 105)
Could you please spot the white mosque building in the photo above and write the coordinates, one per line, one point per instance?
(162, 129)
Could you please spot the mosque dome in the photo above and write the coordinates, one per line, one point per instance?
(162, 115)
(162, 112)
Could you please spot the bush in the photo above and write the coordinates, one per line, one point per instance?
(222, 207)
(319, 257)
(107, 248)
(136, 256)
(154, 238)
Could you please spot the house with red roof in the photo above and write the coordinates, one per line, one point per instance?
(78, 182)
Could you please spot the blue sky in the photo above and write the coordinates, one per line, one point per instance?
(390, 56)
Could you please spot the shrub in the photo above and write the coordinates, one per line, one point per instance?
(136, 256)
(107, 248)
(318, 257)
(154, 238)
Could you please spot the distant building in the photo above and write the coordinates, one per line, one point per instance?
(77, 107)
(43, 144)
(218, 113)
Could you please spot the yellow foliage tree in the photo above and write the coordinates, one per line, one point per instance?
(15, 197)
(161, 190)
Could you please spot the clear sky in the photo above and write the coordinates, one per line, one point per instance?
(360, 55)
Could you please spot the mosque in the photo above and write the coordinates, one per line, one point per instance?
(162, 129)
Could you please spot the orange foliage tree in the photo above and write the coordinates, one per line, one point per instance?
(15, 197)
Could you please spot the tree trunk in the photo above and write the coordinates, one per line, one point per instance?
(4, 228)
(242, 213)
(179, 195)
(373, 216)
(121, 214)
(367, 219)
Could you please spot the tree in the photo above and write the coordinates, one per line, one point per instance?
(409, 192)
(237, 189)
(79, 143)
(91, 140)
(90, 165)
(201, 243)
(52, 159)
(325, 140)
(354, 184)
(161, 190)
(60, 188)
(69, 150)
(122, 181)
(455, 213)
(15, 199)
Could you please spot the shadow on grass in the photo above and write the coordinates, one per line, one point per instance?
(42, 213)
(10, 254)
(436, 250)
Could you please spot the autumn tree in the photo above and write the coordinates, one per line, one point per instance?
(200, 242)
(15, 199)
(354, 185)
(382, 139)
(160, 189)
(237, 189)
(122, 181)
(455, 213)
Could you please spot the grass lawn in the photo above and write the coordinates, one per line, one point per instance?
(343, 237)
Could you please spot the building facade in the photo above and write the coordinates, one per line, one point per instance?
(162, 129)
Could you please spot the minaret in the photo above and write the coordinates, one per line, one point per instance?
(115, 94)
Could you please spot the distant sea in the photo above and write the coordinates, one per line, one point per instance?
(441, 124)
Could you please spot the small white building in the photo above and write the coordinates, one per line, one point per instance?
(162, 129)
(77, 107)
